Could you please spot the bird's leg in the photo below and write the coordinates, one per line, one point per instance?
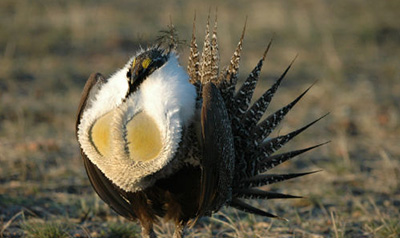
(180, 229)
(147, 231)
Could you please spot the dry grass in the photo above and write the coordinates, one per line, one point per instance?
(351, 48)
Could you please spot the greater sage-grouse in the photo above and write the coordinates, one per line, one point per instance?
(160, 142)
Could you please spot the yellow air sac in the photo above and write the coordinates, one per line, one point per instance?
(101, 134)
(143, 137)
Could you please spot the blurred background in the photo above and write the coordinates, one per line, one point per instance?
(349, 49)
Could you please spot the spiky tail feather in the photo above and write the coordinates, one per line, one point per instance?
(254, 151)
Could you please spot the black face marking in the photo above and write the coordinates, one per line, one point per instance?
(143, 65)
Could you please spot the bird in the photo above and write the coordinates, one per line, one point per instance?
(159, 142)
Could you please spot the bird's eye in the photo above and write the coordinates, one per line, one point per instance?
(146, 63)
(128, 74)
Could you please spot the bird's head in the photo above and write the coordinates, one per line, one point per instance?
(143, 65)
(133, 123)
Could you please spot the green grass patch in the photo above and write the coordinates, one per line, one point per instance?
(42, 229)
(121, 230)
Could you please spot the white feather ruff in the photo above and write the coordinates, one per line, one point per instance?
(166, 95)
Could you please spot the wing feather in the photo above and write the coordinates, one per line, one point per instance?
(107, 191)
(218, 152)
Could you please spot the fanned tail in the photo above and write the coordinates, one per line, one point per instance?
(214, 54)
(194, 60)
(227, 81)
(254, 150)
(267, 179)
(243, 96)
(206, 57)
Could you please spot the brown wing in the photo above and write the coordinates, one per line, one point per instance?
(218, 152)
(107, 191)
